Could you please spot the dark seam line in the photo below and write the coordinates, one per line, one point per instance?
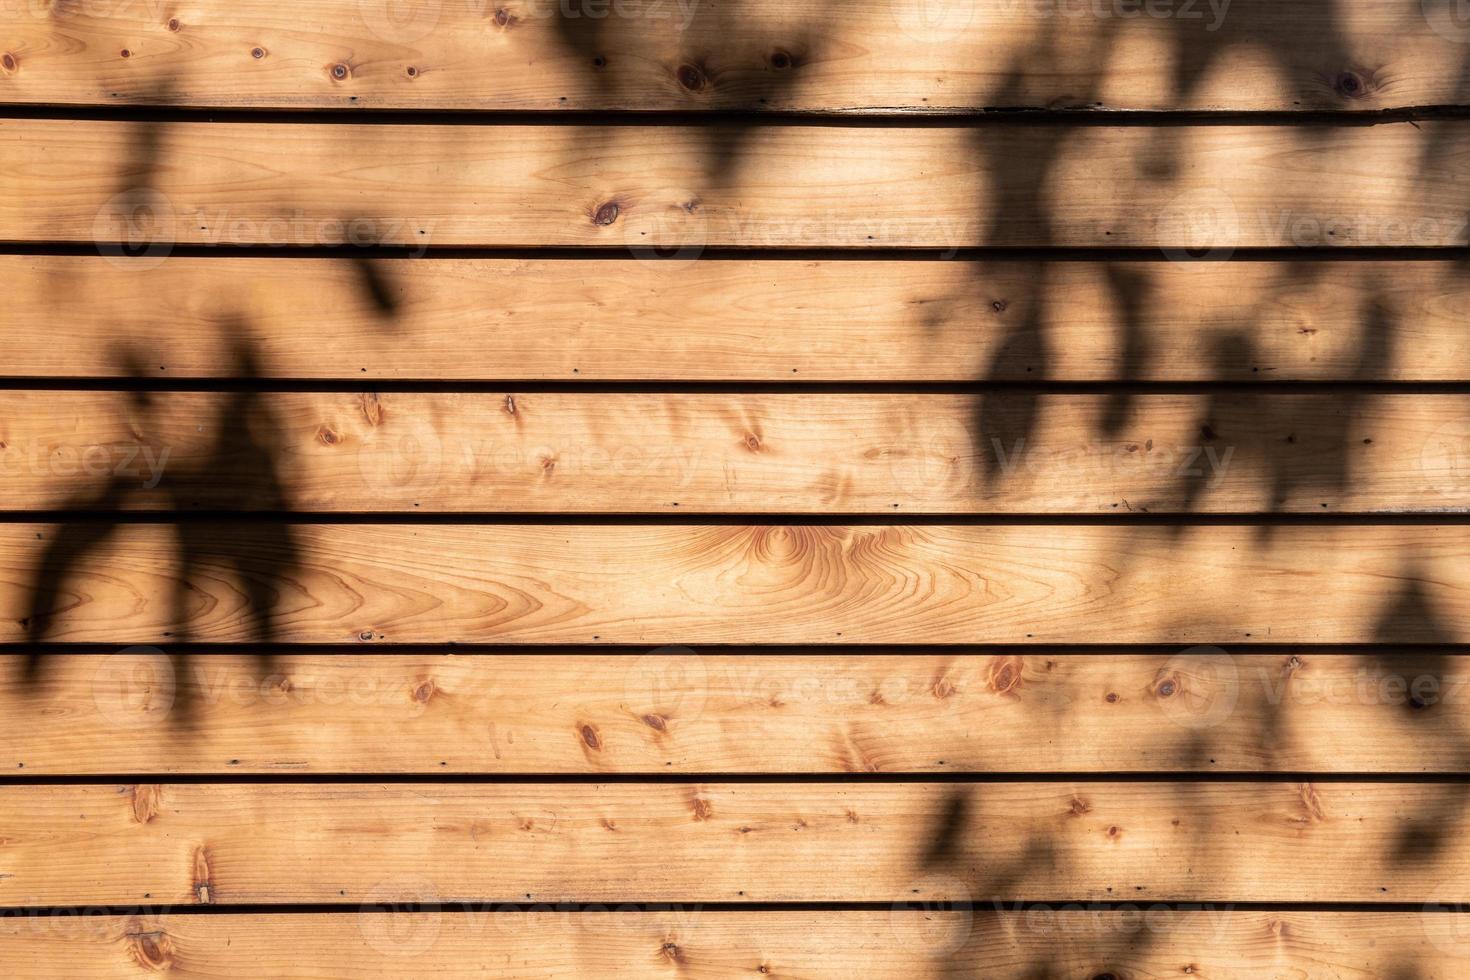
(728, 253)
(881, 117)
(451, 906)
(979, 648)
(1265, 387)
(796, 780)
(727, 519)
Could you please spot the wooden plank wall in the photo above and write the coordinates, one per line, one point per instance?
(563, 488)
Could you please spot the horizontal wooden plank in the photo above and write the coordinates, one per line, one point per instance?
(677, 711)
(681, 54)
(767, 584)
(1002, 452)
(225, 844)
(911, 941)
(679, 188)
(721, 320)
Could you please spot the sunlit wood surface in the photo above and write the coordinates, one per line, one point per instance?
(674, 488)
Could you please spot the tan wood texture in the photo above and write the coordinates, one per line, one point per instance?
(911, 941)
(889, 842)
(897, 55)
(677, 188)
(622, 583)
(674, 710)
(734, 320)
(1000, 452)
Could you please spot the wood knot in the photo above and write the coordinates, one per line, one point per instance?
(372, 408)
(153, 951)
(781, 59)
(606, 213)
(1311, 805)
(590, 737)
(257, 52)
(691, 77)
(504, 18)
(752, 442)
(1114, 832)
(146, 800)
(702, 808)
(510, 406)
(203, 886)
(1004, 676)
(943, 688)
(340, 71)
(670, 951)
(1079, 806)
(1351, 85)
(1112, 697)
(1168, 685)
(174, 25)
(999, 306)
(425, 691)
(327, 437)
(656, 722)
(7, 61)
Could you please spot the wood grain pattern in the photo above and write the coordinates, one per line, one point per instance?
(678, 711)
(678, 188)
(234, 582)
(219, 844)
(1001, 452)
(899, 55)
(734, 320)
(910, 941)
